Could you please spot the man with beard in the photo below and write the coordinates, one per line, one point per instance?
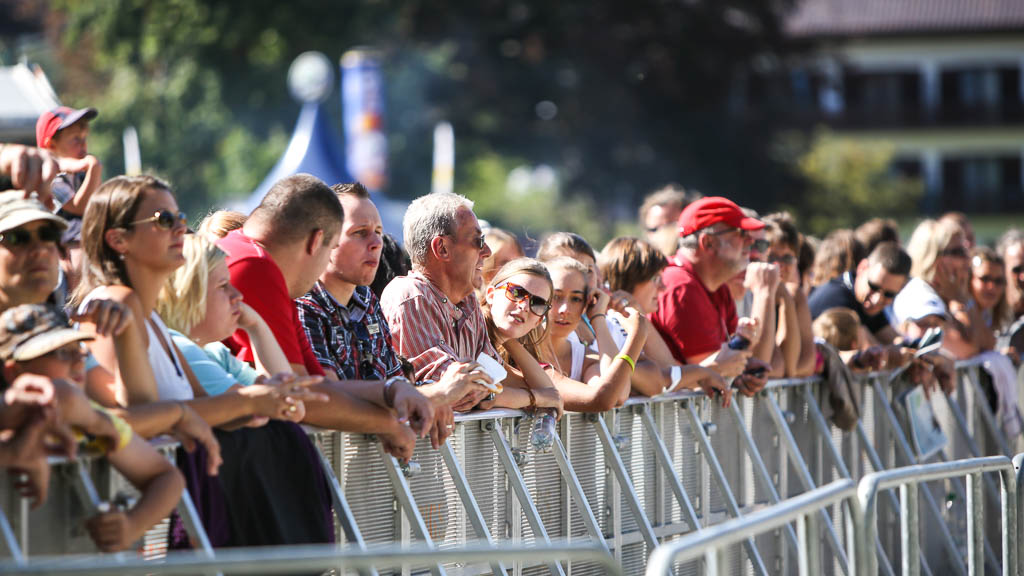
(696, 312)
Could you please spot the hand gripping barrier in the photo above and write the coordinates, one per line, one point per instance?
(626, 481)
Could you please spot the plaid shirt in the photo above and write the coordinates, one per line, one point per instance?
(430, 330)
(354, 341)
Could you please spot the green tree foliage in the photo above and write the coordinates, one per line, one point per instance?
(851, 181)
(619, 97)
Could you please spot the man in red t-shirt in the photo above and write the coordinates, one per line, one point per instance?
(696, 313)
(277, 256)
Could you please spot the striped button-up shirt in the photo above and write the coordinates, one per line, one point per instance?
(430, 330)
(351, 341)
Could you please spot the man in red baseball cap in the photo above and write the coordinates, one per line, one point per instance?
(64, 132)
(696, 313)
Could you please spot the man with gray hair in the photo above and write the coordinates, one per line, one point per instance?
(433, 312)
(1011, 248)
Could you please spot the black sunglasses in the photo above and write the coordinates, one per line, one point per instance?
(164, 219)
(958, 252)
(761, 245)
(889, 294)
(22, 236)
(996, 280)
(1018, 269)
(785, 259)
(516, 293)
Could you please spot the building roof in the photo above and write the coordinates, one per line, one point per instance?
(817, 18)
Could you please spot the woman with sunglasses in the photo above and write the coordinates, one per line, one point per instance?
(132, 235)
(941, 269)
(515, 306)
(588, 381)
(988, 289)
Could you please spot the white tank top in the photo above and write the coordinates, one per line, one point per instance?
(171, 382)
(579, 352)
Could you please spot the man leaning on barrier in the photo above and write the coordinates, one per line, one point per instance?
(696, 313)
(433, 312)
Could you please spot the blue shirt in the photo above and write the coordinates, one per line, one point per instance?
(214, 366)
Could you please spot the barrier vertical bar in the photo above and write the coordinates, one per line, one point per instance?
(808, 558)
(10, 540)
(805, 475)
(975, 525)
(476, 518)
(665, 461)
(342, 509)
(910, 537)
(722, 481)
(619, 469)
(519, 487)
(405, 497)
(981, 402)
(576, 492)
(760, 469)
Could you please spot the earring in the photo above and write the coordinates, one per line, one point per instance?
(120, 257)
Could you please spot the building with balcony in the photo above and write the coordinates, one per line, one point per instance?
(941, 80)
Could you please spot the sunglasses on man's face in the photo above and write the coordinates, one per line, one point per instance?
(164, 219)
(888, 294)
(22, 236)
(516, 293)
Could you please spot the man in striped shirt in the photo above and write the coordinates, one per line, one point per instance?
(433, 313)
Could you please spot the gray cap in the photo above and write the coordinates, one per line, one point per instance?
(17, 210)
(33, 330)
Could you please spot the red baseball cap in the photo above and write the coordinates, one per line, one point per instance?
(53, 121)
(711, 210)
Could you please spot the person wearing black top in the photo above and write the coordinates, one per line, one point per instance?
(867, 290)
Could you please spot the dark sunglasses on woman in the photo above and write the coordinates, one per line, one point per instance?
(164, 219)
(516, 293)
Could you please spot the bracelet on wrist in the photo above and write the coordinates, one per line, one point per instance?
(596, 316)
(533, 400)
(389, 390)
(628, 359)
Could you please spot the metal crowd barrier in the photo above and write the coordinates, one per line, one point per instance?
(628, 481)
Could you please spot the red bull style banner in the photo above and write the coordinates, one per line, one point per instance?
(362, 104)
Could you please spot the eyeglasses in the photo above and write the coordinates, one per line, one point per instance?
(516, 293)
(996, 280)
(787, 259)
(1018, 269)
(477, 243)
(761, 245)
(22, 236)
(958, 252)
(743, 233)
(888, 294)
(164, 219)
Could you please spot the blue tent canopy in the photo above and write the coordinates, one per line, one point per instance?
(314, 149)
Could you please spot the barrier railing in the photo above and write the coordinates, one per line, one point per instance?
(627, 481)
(804, 509)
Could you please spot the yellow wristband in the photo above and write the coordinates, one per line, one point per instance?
(630, 361)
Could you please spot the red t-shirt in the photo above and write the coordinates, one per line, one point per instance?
(692, 320)
(263, 287)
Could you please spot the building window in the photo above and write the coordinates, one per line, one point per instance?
(982, 184)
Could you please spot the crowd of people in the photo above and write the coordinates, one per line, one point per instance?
(120, 323)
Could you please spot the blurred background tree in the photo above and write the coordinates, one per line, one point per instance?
(618, 98)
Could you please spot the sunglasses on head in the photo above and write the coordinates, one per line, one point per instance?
(888, 294)
(164, 219)
(516, 293)
(22, 236)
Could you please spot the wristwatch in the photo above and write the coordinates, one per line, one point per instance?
(389, 395)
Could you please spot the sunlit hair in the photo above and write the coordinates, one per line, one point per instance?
(559, 243)
(114, 205)
(838, 327)
(926, 244)
(875, 231)
(1002, 315)
(497, 239)
(780, 229)
(838, 252)
(564, 264)
(182, 301)
(533, 339)
(219, 223)
(627, 262)
(428, 217)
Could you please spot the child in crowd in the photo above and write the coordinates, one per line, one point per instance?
(37, 339)
(840, 328)
(65, 132)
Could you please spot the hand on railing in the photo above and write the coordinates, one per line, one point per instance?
(752, 380)
(25, 455)
(463, 385)
(282, 396)
(727, 361)
(112, 531)
(400, 441)
(714, 385)
(413, 408)
(444, 425)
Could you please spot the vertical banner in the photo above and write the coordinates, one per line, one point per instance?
(442, 180)
(362, 104)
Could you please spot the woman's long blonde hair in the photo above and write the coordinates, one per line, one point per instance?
(930, 238)
(182, 301)
(534, 338)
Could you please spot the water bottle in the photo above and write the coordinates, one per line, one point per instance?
(543, 435)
